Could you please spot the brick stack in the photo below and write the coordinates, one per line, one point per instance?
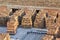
(29, 11)
(4, 36)
(39, 20)
(53, 30)
(49, 21)
(26, 21)
(12, 24)
(51, 12)
(19, 12)
(43, 3)
(53, 25)
(48, 37)
(4, 13)
(58, 23)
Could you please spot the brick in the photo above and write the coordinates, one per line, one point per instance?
(4, 11)
(19, 12)
(48, 37)
(12, 24)
(39, 20)
(53, 30)
(26, 21)
(50, 21)
(51, 12)
(29, 11)
(4, 36)
(58, 20)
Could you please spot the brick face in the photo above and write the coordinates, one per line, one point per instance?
(48, 3)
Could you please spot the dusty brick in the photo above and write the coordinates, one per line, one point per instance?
(48, 37)
(12, 24)
(4, 36)
(39, 20)
(26, 21)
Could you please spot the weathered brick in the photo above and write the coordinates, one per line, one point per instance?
(39, 20)
(12, 24)
(4, 36)
(26, 21)
(48, 37)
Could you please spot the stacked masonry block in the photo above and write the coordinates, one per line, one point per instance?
(4, 13)
(58, 23)
(53, 30)
(53, 24)
(32, 13)
(27, 18)
(39, 20)
(26, 21)
(19, 13)
(45, 3)
(4, 36)
(12, 24)
(51, 12)
(49, 21)
(48, 37)
(29, 11)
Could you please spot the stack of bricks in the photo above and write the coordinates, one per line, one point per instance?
(51, 12)
(53, 30)
(58, 23)
(53, 25)
(4, 36)
(49, 21)
(45, 3)
(29, 11)
(26, 21)
(4, 13)
(19, 12)
(48, 37)
(39, 20)
(12, 24)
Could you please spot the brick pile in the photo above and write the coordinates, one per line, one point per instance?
(53, 25)
(29, 11)
(4, 36)
(39, 20)
(12, 24)
(19, 12)
(49, 21)
(26, 21)
(48, 37)
(45, 3)
(51, 12)
(27, 18)
(4, 13)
